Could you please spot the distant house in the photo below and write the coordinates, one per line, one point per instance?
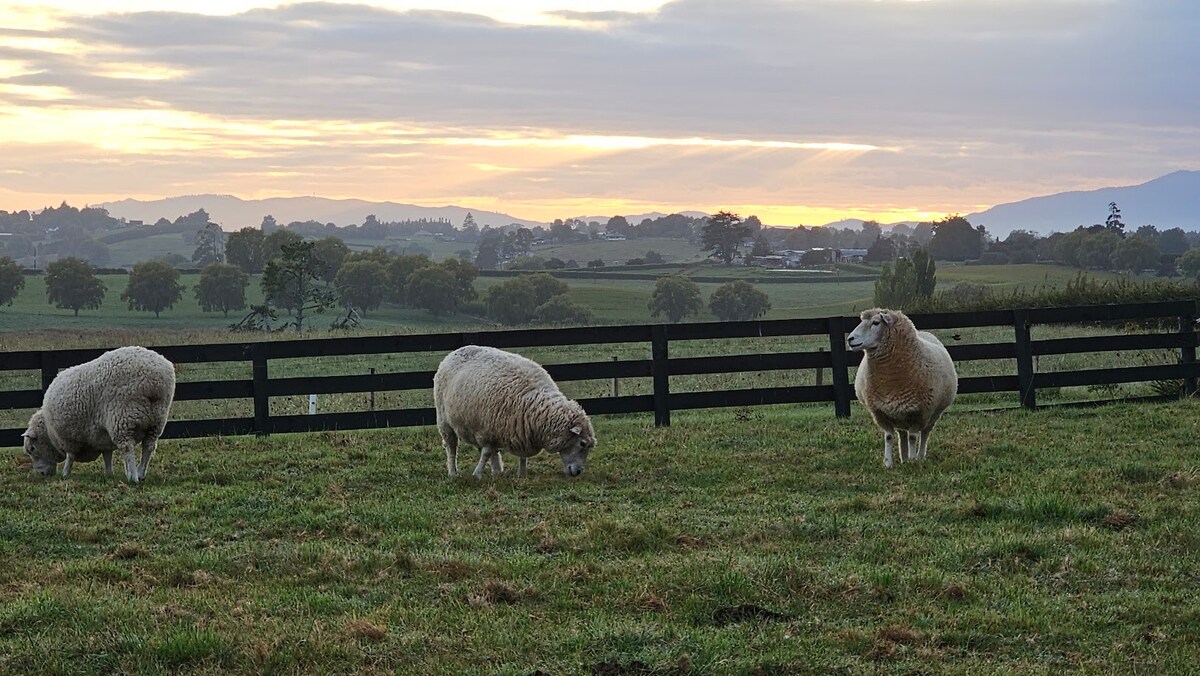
(614, 237)
(423, 233)
(851, 255)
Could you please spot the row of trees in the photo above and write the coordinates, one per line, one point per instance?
(677, 297)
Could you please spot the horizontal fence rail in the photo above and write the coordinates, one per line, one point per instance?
(260, 387)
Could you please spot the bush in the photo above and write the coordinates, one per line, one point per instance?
(738, 301)
(563, 311)
(1080, 291)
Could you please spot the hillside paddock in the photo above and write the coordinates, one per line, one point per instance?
(767, 540)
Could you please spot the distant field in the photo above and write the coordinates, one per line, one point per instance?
(614, 301)
(673, 250)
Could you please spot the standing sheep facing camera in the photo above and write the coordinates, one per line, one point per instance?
(500, 401)
(906, 379)
(116, 401)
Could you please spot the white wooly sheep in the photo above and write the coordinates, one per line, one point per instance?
(906, 380)
(118, 400)
(500, 401)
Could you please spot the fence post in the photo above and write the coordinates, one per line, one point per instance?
(616, 390)
(372, 404)
(262, 401)
(820, 371)
(1025, 372)
(49, 369)
(839, 368)
(662, 381)
(1187, 354)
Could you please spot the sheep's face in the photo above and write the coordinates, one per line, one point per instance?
(44, 455)
(869, 333)
(573, 446)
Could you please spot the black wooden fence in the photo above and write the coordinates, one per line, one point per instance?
(660, 367)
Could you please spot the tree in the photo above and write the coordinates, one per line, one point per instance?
(1134, 254)
(513, 301)
(331, 251)
(1113, 222)
(563, 311)
(359, 285)
(722, 235)
(11, 280)
(210, 246)
(618, 225)
(289, 282)
(924, 273)
(274, 243)
(738, 301)
(546, 287)
(675, 296)
(268, 225)
(222, 288)
(433, 288)
(896, 288)
(488, 257)
(464, 275)
(399, 268)
(71, 283)
(955, 239)
(244, 249)
(882, 251)
(1189, 263)
(153, 287)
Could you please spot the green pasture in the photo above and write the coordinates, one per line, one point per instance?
(748, 541)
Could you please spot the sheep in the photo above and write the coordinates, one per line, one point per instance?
(500, 401)
(115, 401)
(906, 379)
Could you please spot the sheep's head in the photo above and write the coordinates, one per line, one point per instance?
(573, 443)
(39, 448)
(871, 330)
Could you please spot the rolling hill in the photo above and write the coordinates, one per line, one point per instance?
(1171, 201)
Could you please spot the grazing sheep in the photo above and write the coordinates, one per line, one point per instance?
(115, 401)
(500, 401)
(906, 379)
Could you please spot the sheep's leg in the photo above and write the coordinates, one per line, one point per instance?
(888, 438)
(450, 442)
(914, 442)
(485, 456)
(108, 462)
(902, 443)
(129, 455)
(67, 464)
(149, 445)
(924, 442)
(497, 463)
(521, 468)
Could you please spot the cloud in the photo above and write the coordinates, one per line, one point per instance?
(980, 97)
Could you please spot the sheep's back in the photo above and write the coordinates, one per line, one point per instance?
(129, 387)
(485, 391)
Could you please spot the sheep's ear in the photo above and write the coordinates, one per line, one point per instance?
(887, 317)
(577, 430)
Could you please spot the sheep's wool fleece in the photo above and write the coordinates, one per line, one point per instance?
(123, 393)
(909, 380)
(502, 400)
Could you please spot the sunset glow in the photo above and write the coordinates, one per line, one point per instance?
(554, 108)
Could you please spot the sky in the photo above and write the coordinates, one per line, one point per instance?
(796, 111)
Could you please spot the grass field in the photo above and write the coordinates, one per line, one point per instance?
(739, 541)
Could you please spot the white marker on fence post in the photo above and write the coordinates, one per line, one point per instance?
(312, 404)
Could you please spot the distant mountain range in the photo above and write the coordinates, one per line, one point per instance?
(1166, 202)
(233, 213)
(1171, 201)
